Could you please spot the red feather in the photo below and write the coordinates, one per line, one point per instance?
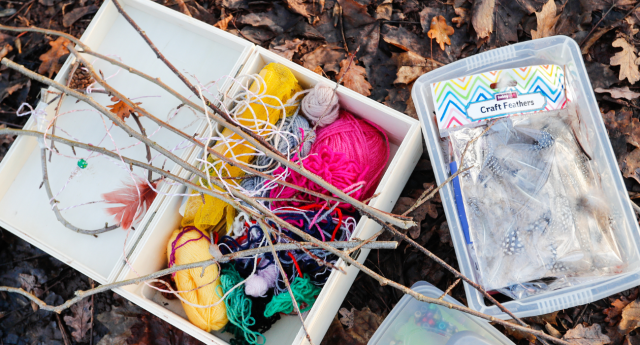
(132, 201)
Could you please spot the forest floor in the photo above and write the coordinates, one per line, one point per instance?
(393, 47)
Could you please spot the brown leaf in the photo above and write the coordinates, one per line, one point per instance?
(77, 13)
(600, 74)
(445, 234)
(630, 317)
(365, 325)
(384, 10)
(307, 8)
(347, 318)
(336, 334)
(50, 60)
(591, 335)
(619, 92)
(27, 282)
(518, 334)
(353, 77)
(627, 60)
(547, 20)
(441, 31)
(403, 39)
(482, 18)
(544, 319)
(318, 70)
(120, 108)
(631, 165)
(622, 122)
(552, 330)
(287, 49)
(324, 56)
(80, 321)
(411, 66)
(462, 18)
(614, 313)
(223, 23)
(151, 330)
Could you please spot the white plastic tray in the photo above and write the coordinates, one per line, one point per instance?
(563, 51)
(406, 148)
(193, 47)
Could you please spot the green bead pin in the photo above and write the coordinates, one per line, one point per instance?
(82, 163)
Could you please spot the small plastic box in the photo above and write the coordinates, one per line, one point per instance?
(412, 322)
(563, 51)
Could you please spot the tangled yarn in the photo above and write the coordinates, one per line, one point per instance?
(332, 166)
(300, 129)
(361, 141)
(320, 105)
(187, 246)
(258, 284)
(239, 307)
(304, 292)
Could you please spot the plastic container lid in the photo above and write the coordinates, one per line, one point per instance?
(412, 322)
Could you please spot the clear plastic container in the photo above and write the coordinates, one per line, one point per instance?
(563, 51)
(412, 322)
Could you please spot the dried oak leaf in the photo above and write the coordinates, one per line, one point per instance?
(544, 319)
(547, 20)
(347, 318)
(353, 77)
(365, 324)
(482, 18)
(591, 335)
(630, 317)
(404, 39)
(77, 13)
(325, 56)
(630, 166)
(614, 312)
(462, 18)
(223, 23)
(411, 66)
(619, 92)
(441, 31)
(80, 321)
(307, 8)
(627, 60)
(50, 60)
(120, 108)
(384, 10)
(622, 122)
(287, 49)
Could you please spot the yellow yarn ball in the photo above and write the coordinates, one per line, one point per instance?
(197, 249)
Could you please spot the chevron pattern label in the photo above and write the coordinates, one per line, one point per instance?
(472, 99)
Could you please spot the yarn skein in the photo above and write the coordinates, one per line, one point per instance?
(320, 105)
(187, 246)
(361, 141)
(258, 284)
(239, 308)
(333, 167)
(304, 292)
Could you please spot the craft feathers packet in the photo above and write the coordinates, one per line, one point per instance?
(531, 205)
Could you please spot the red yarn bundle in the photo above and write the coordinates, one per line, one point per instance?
(362, 141)
(349, 152)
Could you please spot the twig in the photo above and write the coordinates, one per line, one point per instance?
(54, 203)
(449, 289)
(93, 285)
(19, 10)
(65, 337)
(435, 190)
(598, 23)
(372, 238)
(296, 308)
(344, 40)
(55, 117)
(142, 130)
(422, 196)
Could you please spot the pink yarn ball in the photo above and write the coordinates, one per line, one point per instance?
(333, 167)
(361, 141)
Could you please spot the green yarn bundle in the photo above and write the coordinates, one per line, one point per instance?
(303, 291)
(238, 309)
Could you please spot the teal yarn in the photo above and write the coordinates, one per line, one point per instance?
(238, 309)
(304, 292)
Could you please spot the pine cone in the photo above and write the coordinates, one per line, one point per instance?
(81, 79)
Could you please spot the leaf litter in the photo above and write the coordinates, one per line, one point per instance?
(393, 41)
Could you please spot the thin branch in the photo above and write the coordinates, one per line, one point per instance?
(372, 238)
(201, 264)
(449, 288)
(54, 203)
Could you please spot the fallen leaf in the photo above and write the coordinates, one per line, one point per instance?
(336, 334)
(619, 92)
(544, 319)
(27, 282)
(50, 60)
(255, 19)
(318, 70)
(80, 321)
(441, 31)
(411, 66)
(347, 317)
(154, 331)
(120, 108)
(614, 312)
(622, 122)
(287, 49)
(223, 23)
(77, 13)
(324, 56)
(365, 324)
(547, 20)
(232, 4)
(482, 18)
(630, 166)
(384, 10)
(518, 334)
(591, 335)
(397, 97)
(445, 234)
(257, 35)
(552, 330)
(353, 77)
(403, 39)
(627, 60)
(462, 18)
(307, 8)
